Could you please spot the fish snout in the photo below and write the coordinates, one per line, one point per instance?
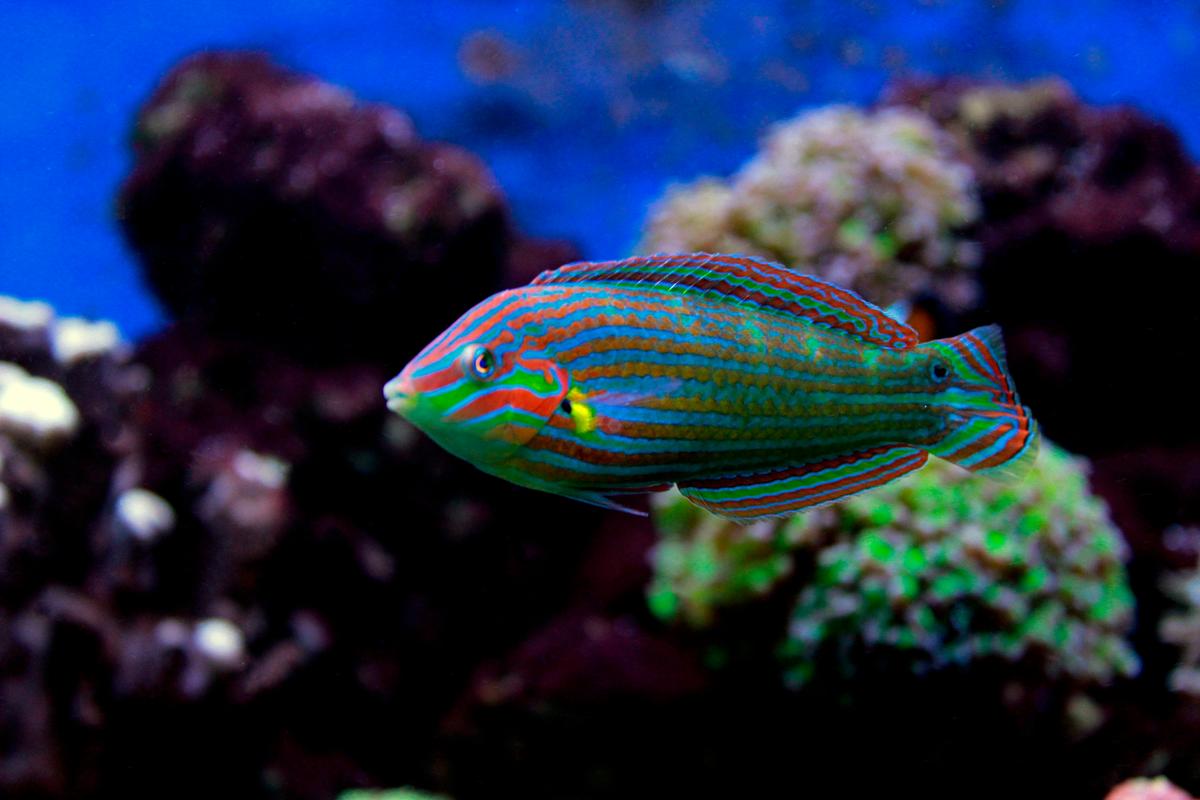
(401, 394)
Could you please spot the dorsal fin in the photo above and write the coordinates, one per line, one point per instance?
(747, 280)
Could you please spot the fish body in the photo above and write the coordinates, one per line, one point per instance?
(756, 390)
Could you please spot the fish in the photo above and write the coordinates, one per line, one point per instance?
(756, 390)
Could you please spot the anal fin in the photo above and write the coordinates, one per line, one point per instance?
(794, 488)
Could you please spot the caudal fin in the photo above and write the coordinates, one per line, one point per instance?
(990, 431)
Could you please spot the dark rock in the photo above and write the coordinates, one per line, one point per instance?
(273, 205)
(590, 706)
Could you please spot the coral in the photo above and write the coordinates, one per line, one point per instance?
(301, 508)
(1090, 236)
(1181, 628)
(939, 569)
(63, 386)
(36, 339)
(949, 568)
(143, 515)
(62, 394)
(237, 571)
(192, 565)
(406, 793)
(34, 411)
(704, 563)
(77, 339)
(1147, 789)
(209, 544)
(273, 205)
(872, 201)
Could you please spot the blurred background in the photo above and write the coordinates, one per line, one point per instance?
(583, 111)
(225, 569)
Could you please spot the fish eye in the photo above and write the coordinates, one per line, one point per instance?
(565, 405)
(478, 362)
(939, 371)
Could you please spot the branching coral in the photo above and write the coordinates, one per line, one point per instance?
(941, 568)
(871, 201)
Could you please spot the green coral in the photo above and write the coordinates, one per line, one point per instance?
(872, 201)
(390, 794)
(704, 562)
(937, 569)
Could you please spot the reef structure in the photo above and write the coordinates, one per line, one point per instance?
(878, 202)
(274, 205)
(220, 559)
(1081, 208)
(199, 531)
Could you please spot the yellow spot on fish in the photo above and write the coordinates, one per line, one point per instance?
(581, 412)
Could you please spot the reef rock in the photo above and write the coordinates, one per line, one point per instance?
(64, 384)
(274, 205)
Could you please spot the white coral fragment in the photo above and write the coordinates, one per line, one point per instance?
(220, 642)
(144, 515)
(26, 315)
(34, 410)
(75, 339)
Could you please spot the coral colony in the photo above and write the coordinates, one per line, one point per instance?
(873, 201)
(937, 570)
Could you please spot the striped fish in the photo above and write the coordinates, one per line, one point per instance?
(756, 390)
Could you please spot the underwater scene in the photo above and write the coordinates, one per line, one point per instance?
(599, 398)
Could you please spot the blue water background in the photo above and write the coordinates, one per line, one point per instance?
(604, 109)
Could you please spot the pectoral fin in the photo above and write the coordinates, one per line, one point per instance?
(603, 501)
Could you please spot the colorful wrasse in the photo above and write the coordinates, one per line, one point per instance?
(757, 390)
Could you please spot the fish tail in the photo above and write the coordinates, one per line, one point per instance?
(989, 431)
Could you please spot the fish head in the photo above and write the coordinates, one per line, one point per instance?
(482, 389)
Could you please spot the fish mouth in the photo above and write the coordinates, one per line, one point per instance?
(400, 394)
